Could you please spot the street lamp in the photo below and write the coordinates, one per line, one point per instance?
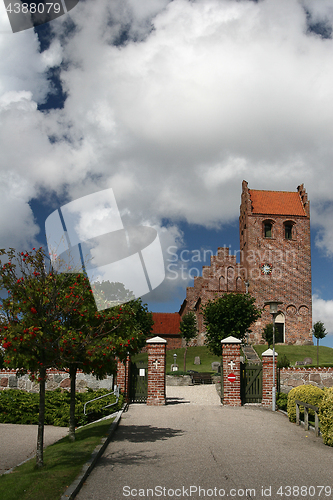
(273, 309)
(174, 366)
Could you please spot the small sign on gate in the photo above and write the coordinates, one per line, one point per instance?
(142, 372)
(231, 377)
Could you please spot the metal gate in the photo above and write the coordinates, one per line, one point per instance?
(139, 382)
(222, 385)
(251, 383)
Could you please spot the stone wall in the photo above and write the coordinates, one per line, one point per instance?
(293, 377)
(55, 379)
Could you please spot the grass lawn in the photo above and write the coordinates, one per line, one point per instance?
(299, 352)
(63, 462)
(293, 352)
(206, 358)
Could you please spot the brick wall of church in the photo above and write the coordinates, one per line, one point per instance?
(290, 279)
(222, 276)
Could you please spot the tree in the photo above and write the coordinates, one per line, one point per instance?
(319, 332)
(108, 294)
(188, 331)
(267, 334)
(231, 314)
(50, 320)
(29, 321)
(93, 339)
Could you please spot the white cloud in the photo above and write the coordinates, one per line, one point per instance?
(323, 311)
(200, 95)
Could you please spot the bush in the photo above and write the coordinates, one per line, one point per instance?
(326, 416)
(306, 393)
(283, 362)
(19, 407)
(281, 401)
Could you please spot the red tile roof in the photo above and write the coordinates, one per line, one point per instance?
(166, 323)
(276, 203)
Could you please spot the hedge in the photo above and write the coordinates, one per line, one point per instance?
(308, 394)
(326, 416)
(19, 407)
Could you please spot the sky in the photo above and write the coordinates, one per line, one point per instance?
(171, 104)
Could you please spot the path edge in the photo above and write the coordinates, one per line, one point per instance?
(77, 484)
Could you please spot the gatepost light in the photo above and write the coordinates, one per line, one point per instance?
(273, 309)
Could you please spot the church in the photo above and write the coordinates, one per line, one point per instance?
(274, 263)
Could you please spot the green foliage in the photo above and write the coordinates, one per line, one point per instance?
(306, 393)
(188, 327)
(63, 463)
(319, 330)
(19, 407)
(49, 319)
(231, 314)
(178, 373)
(188, 331)
(108, 294)
(267, 334)
(282, 401)
(283, 362)
(326, 416)
(299, 352)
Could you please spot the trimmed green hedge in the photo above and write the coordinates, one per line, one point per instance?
(326, 416)
(306, 393)
(19, 407)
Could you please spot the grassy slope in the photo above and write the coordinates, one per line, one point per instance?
(298, 353)
(63, 462)
(206, 358)
(293, 353)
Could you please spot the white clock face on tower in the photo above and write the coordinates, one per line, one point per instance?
(266, 269)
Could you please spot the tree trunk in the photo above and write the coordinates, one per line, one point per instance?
(41, 418)
(317, 351)
(185, 358)
(72, 374)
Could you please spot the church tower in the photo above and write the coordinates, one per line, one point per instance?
(276, 260)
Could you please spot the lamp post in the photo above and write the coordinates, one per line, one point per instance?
(174, 367)
(273, 309)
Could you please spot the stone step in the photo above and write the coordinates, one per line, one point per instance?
(251, 354)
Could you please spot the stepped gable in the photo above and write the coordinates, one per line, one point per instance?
(222, 276)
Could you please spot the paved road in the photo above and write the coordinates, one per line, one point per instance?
(173, 451)
(18, 442)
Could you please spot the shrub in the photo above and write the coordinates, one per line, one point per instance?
(306, 393)
(281, 401)
(19, 407)
(283, 362)
(326, 416)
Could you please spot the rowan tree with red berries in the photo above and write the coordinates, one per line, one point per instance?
(50, 320)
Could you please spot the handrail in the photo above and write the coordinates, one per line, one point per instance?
(115, 392)
(306, 415)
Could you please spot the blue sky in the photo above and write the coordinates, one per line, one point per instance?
(172, 105)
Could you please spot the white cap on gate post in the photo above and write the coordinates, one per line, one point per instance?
(231, 340)
(269, 352)
(156, 340)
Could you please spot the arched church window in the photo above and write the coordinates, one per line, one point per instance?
(268, 229)
(288, 230)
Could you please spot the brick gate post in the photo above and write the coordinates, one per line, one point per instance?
(231, 371)
(123, 373)
(156, 371)
(267, 377)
